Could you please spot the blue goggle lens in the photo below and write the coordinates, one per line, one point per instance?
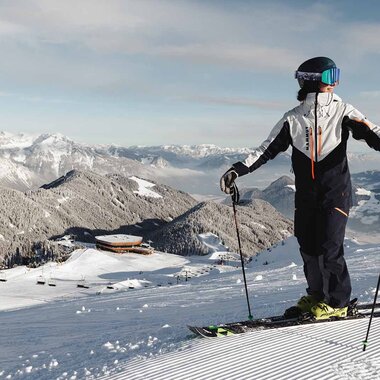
(331, 76)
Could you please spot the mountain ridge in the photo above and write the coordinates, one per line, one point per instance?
(29, 161)
(81, 203)
(261, 226)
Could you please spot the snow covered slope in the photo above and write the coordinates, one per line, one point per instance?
(331, 351)
(141, 333)
(97, 269)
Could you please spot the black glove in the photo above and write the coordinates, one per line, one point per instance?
(227, 181)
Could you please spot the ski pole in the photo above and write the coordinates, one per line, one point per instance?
(365, 342)
(235, 201)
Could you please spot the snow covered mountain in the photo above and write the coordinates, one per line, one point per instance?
(280, 194)
(27, 162)
(202, 157)
(263, 227)
(83, 203)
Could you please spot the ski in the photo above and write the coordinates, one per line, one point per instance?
(279, 321)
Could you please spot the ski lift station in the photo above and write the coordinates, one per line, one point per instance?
(121, 243)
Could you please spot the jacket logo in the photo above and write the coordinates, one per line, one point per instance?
(307, 138)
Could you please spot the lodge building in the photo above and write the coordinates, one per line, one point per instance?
(121, 243)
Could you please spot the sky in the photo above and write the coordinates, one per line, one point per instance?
(174, 71)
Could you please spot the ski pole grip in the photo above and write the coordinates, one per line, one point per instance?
(235, 194)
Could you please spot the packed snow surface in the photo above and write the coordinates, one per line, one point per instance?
(130, 323)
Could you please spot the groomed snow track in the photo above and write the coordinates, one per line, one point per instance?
(330, 350)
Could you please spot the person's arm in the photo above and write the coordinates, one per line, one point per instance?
(361, 128)
(278, 141)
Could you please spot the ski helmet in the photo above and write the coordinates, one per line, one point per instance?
(318, 69)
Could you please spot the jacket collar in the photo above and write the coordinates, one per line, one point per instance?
(324, 98)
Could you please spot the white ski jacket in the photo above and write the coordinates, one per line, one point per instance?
(317, 130)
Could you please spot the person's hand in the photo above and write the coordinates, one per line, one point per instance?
(227, 181)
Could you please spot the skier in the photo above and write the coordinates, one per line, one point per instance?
(317, 130)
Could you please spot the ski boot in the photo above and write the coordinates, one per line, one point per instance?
(304, 305)
(324, 311)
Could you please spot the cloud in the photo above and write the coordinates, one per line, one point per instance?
(11, 29)
(248, 56)
(33, 99)
(370, 94)
(194, 31)
(148, 48)
(364, 37)
(179, 28)
(239, 101)
(121, 46)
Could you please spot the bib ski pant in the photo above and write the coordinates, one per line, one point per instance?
(320, 234)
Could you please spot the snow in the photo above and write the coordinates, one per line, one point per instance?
(259, 225)
(98, 268)
(277, 354)
(211, 241)
(63, 200)
(65, 332)
(15, 141)
(367, 211)
(145, 188)
(204, 150)
(361, 191)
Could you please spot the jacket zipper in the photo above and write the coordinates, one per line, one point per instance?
(319, 141)
(315, 136)
(312, 152)
(316, 128)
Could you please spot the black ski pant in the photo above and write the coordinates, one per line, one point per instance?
(320, 234)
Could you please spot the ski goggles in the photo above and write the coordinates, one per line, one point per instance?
(329, 76)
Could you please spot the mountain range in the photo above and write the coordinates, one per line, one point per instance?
(27, 162)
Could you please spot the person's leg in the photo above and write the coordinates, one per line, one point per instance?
(305, 232)
(313, 274)
(331, 230)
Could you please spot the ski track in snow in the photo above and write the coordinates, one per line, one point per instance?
(142, 334)
(269, 354)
